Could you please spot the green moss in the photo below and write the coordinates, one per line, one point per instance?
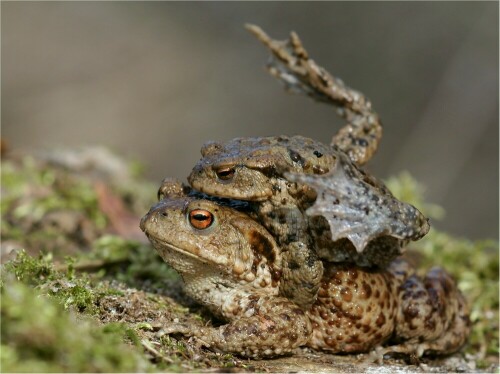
(121, 329)
(39, 272)
(38, 335)
(30, 270)
(143, 263)
(80, 296)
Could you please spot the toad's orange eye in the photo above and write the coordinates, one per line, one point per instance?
(225, 173)
(200, 219)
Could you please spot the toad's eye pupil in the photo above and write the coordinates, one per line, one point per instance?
(200, 218)
(225, 173)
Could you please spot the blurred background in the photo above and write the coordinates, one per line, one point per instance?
(155, 80)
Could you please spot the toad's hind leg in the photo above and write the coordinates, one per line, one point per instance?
(291, 64)
(355, 310)
(262, 326)
(433, 317)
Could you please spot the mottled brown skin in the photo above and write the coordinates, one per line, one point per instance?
(261, 170)
(360, 309)
(233, 267)
(276, 202)
(355, 310)
(351, 216)
(290, 63)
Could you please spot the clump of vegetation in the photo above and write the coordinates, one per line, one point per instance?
(47, 208)
(71, 292)
(143, 265)
(42, 305)
(39, 335)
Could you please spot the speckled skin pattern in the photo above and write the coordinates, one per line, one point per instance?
(359, 309)
(233, 266)
(312, 197)
(351, 216)
(290, 64)
(234, 269)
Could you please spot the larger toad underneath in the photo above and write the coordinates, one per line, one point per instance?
(233, 266)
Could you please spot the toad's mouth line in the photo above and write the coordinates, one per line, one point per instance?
(159, 244)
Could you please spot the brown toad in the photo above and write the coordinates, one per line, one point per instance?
(232, 265)
(313, 197)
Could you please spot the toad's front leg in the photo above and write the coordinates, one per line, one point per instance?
(301, 269)
(301, 274)
(259, 326)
